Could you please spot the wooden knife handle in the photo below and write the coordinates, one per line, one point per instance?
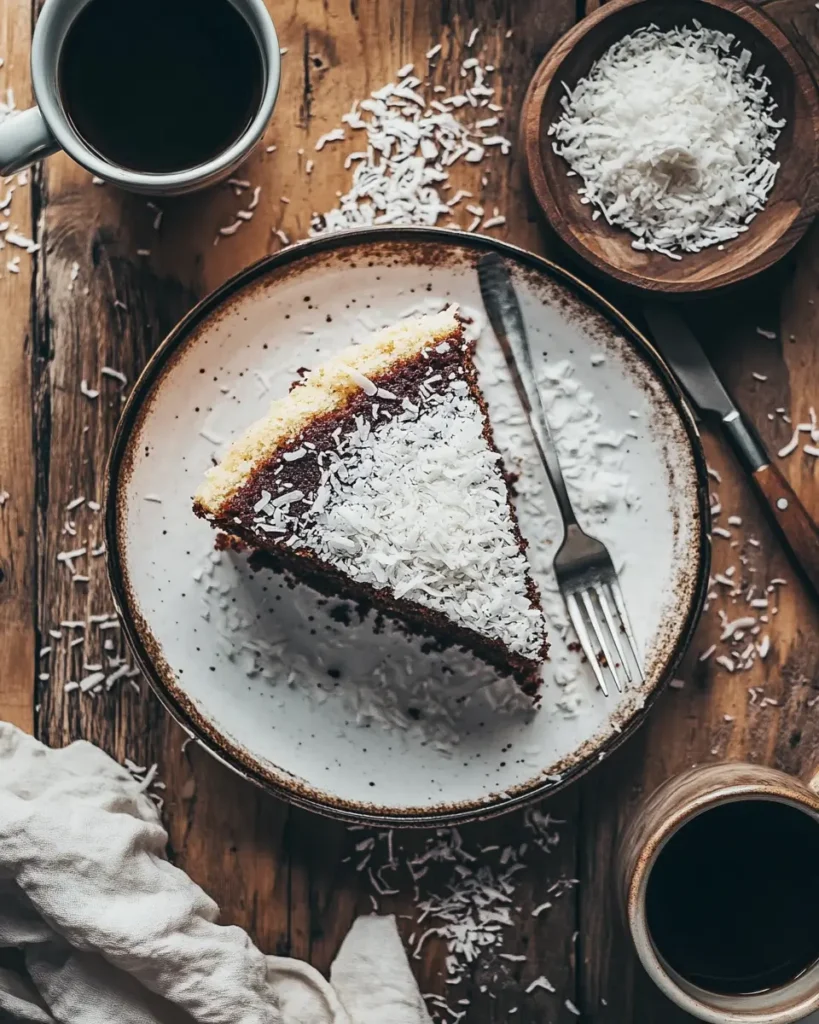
(800, 532)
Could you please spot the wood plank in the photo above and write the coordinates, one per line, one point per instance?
(328, 893)
(287, 877)
(714, 717)
(17, 468)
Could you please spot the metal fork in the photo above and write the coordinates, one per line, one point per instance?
(583, 566)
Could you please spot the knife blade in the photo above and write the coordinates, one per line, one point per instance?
(684, 354)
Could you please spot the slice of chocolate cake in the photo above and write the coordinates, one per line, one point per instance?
(377, 478)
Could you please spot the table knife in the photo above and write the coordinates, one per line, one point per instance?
(685, 356)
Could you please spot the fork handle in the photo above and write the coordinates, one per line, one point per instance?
(507, 322)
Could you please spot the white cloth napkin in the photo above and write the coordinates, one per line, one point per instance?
(108, 930)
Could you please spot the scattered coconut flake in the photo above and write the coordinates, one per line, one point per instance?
(412, 141)
(68, 556)
(730, 628)
(541, 982)
(230, 229)
(21, 241)
(107, 371)
(336, 135)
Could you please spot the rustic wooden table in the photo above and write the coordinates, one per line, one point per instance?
(88, 299)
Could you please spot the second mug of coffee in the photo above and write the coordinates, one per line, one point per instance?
(719, 884)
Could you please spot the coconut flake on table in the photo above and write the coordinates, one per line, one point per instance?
(412, 139)
(472, 910)
(673, 137)
(744, 600)
(148, 779)
(108, 371)
(105, 667)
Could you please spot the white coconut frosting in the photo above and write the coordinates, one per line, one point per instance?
(413, 499)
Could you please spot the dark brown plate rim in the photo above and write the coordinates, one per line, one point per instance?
(190, 720)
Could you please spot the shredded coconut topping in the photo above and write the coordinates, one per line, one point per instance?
(673, 138)
(418, 504)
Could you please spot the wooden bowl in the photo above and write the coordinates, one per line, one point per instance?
(795, 196)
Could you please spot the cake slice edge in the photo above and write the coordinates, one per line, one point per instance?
(324, 392)
(321, 393)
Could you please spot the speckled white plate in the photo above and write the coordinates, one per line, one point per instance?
(349, 715)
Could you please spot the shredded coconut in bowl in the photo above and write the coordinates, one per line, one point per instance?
(673, 138)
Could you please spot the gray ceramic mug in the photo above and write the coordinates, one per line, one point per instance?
(36, 133)
(660, 817)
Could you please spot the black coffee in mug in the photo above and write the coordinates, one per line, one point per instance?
(732, 902)
(160, 85)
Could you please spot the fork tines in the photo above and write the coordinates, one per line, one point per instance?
(582, 604)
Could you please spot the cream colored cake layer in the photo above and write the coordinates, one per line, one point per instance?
(323, 391)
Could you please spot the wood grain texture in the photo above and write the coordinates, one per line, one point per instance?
(793, 200)
(798, 528)
(286, 876)
(17, 535)
(289, 877)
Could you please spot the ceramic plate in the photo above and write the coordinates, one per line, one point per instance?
(345, 713)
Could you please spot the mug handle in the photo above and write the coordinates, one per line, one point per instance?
(25, 138)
